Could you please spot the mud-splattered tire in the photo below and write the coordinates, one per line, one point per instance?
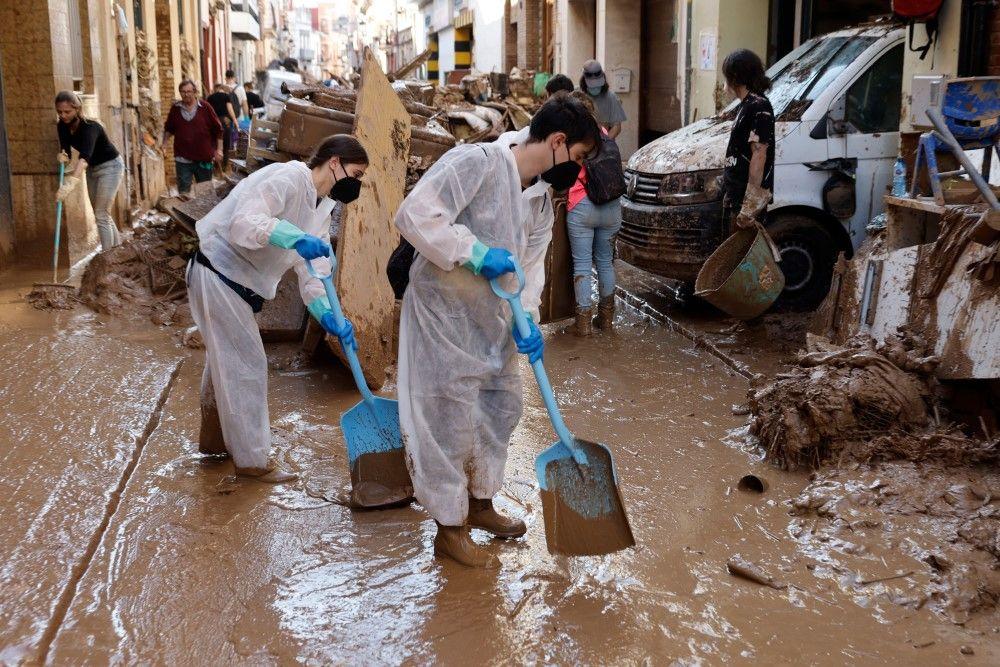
(808, 254)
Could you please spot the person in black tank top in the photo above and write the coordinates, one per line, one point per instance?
(98, 159)
(749, 173)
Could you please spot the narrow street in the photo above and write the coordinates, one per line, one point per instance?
(127, 547)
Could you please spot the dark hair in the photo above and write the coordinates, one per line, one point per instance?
(230, 74)
(187, 82)
(743, 67)
(585, 99)
(247, 84)
(564, 113)
(559, 82)
(344, 146)
(583, 85)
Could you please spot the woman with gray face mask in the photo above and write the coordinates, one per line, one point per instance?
(609, 111)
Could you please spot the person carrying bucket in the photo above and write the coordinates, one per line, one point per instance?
(749, 169)
(275, 219)
(477, 208)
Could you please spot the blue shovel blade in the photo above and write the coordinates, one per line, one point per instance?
(375, 454)
(582, 506)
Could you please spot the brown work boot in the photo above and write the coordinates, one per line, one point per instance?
(210, 440)
(482, 515)
(456, 543)
(605, 320)
(272, 474)
(583, 318)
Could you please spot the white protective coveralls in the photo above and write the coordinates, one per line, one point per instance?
(459, 385)
(234, 237)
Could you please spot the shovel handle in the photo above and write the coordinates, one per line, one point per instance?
(544, 386)
(338, 318)
(59, 208)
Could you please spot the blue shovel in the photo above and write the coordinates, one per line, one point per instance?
(59, 208)
(581, 503)
(379, 477)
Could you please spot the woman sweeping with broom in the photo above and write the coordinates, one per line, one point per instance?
(273, 220)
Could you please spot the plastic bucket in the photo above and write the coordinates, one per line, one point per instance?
(741, 277)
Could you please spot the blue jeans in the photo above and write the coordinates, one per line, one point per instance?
(102, 186)
(592, 230)
(186, 171)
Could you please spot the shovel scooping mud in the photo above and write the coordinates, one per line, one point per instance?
(379, 477)
(583, 509)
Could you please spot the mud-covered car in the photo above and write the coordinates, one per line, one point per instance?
(836, 101)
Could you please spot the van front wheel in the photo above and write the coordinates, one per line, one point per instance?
(808, 254)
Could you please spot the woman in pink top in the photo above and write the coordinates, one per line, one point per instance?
(592, 229)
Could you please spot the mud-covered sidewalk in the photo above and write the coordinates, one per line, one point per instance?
(123, 545)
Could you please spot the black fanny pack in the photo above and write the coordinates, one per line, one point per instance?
(254, 300)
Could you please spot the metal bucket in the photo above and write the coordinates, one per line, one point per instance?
(741, 277)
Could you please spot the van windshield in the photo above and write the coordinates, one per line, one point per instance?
(802, 75)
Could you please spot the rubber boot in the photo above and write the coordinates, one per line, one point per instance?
(483, 515)
(456, 543)
(210, 440)
(605, 320)
(272, 474)
(583, 322)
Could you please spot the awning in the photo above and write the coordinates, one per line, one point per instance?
(464, 18)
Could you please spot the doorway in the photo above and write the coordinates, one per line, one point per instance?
(6, 201)
(660, 105)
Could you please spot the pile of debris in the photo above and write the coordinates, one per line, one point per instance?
(479, 108)
(144, 276)
(858, 401)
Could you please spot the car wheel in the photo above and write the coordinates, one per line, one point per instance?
(808, 254)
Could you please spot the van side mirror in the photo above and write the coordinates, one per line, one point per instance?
(837, 118)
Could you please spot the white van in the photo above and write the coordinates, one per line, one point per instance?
(836, 101)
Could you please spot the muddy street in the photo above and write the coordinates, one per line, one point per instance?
(124, 545)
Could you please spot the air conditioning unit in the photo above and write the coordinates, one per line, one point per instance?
(927, 92)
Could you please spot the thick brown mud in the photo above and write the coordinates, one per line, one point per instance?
(379, 479)
(181, 571)
(582, 506)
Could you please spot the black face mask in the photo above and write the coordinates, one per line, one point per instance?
(346, 189)
(562, 175)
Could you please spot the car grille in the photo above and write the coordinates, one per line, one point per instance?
(674, 241)
(646, 187)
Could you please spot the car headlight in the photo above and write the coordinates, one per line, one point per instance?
(691, 187)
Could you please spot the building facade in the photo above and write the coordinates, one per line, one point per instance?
(125, 60)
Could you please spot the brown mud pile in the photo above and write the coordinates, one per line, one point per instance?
(909, 534)
(53, 297)
(143, 277)
(858, 401)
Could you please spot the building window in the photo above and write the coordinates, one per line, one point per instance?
(137, 14)
(75, 43)
(180, 16)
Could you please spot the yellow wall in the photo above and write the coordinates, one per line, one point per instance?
(736, 24)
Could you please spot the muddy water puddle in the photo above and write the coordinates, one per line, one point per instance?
(193, 571)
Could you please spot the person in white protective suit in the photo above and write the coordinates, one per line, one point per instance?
(459, 385)
(275, 219)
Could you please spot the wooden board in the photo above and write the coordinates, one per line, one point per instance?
(367, 233)
(558, 298)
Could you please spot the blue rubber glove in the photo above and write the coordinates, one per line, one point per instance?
(490, 262)
(345, 334)
(311, 247)
(286, 235)
(533, 345)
